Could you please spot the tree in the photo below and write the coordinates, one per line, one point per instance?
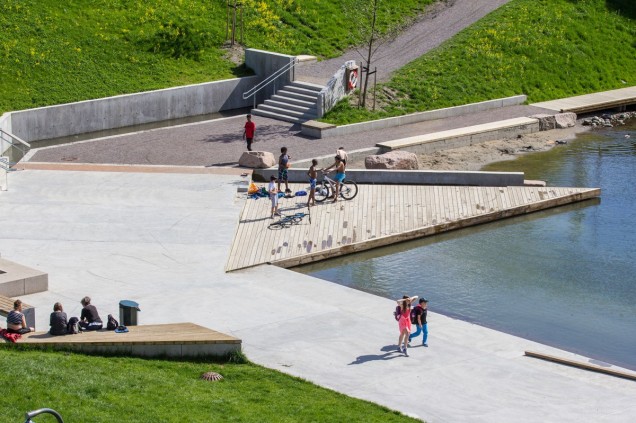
(372, 29)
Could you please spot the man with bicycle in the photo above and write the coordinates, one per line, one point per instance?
(339, 165)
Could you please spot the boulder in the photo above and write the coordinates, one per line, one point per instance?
(565, 120)
(397, 160)
(257, 159)
(546, 122)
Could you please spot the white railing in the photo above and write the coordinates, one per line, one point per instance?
(270, 79)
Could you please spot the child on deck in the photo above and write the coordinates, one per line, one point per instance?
(313, 175)
(273, 195)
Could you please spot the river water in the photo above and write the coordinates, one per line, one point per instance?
(565, 277)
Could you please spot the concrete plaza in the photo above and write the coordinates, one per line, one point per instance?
(162, 239)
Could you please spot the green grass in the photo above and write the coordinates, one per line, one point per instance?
(116, 389)
(54, 52)
(546, 49)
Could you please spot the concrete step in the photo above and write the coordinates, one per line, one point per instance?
(307, 86)
(272, 115)
(285, 111)
(290, 106)
(301, 91)
(298, 96)
(290, 100)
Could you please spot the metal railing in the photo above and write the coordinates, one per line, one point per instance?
(29, 415)
(13, 141)
(270, 79)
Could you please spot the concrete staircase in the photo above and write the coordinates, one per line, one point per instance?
(294, 103)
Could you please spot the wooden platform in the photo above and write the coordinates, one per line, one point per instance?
(173, 340)
(592, 102)
(380, 215)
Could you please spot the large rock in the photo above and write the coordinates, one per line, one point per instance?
(257, 159)
(565, 120)
(546, 122)
(398, 160)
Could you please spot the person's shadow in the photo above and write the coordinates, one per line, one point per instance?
(391, 352)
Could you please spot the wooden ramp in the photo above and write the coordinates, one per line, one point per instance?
(592, 102)
(380, 215)
(172, 340)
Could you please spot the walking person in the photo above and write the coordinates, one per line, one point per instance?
(283, 165)
(313, 179)
(343, 155)
(248, 132)
(273, 196)
(404, 323)
(420, 321)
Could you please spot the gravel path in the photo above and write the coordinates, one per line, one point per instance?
(440, 23)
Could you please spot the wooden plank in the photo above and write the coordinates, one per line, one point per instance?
(580, 365)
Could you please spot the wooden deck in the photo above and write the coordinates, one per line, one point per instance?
(380, 215)
(175, 339)
(592, 102)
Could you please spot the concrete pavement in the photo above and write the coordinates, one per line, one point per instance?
(162, 239)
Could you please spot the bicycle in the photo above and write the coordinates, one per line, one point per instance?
(287, 221)
(348, 189)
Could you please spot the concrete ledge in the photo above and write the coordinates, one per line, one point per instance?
(461, 137)
(17, 280)
(311, 129)
(414, 177)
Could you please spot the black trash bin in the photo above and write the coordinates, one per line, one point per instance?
(128, 312)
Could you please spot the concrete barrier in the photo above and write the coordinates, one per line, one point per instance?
(409, 177)
(322, 130)
(461, 137)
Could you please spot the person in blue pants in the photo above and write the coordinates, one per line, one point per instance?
(420, 321)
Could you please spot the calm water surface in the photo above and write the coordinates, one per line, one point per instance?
(564, 277)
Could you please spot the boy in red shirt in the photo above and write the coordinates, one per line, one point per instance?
(248, 133)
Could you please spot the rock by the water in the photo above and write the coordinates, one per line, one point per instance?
(257, 159)
(398, 160)
(565, 120)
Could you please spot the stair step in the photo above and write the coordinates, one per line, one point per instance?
(291, 106)
(288, 93)
(283, 111)
(290, 100)
(277, 116)
(308, 86)
(301, 90)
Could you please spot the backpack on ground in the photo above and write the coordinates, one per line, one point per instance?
(73, 327)
(112, 323)
(397, 312)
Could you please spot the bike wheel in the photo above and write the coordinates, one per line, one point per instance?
(322, 192)
(349, 190)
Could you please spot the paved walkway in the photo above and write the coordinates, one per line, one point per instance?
(219, 142)
(162, 239)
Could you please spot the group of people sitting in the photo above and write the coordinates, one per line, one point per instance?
(60, 324)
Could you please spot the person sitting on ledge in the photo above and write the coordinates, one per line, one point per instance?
(58, 320)
(89, 319)
(16, 323)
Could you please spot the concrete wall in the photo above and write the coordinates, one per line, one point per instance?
(131, 109)
(335, 131)
(415, 177)
(265, 63)
(335, 89)
(5, 125)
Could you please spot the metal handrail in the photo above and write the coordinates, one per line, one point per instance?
(15, 137)
(31, 414)
(8, 137)
(252, 92)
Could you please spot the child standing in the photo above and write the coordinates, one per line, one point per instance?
(283, 165)
(313, 175)
(273, 195)
(420, 323)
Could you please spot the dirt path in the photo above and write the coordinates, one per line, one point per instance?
(441, 22)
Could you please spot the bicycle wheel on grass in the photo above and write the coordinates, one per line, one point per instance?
(349, 190)
(323, 192)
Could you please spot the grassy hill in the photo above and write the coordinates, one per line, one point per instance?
(546, 49)
(121, 389)
(54, 52)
